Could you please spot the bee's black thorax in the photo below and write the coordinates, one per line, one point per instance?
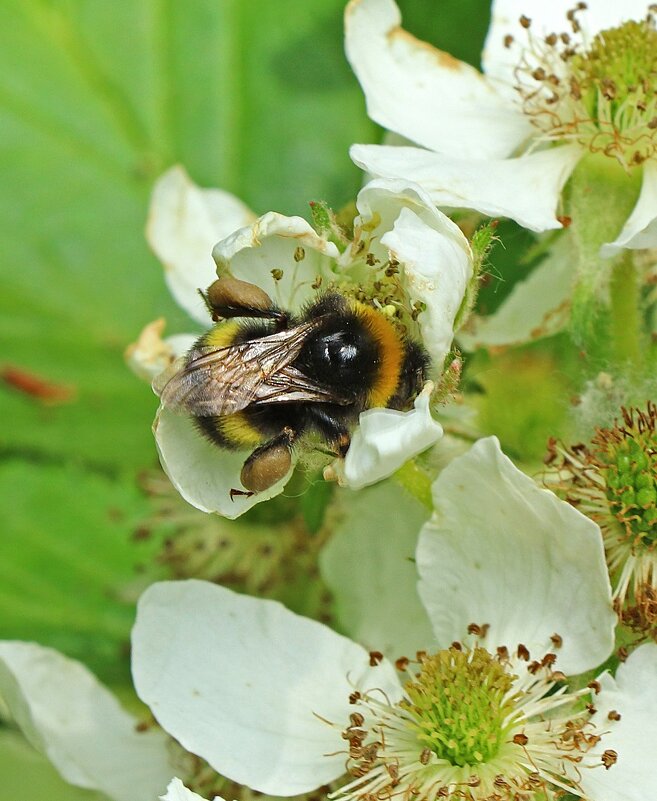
(341, 353)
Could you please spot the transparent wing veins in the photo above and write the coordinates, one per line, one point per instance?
(221, 381)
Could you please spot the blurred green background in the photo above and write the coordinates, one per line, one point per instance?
(97, 98)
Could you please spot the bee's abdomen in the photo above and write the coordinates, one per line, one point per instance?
(233, 431)
(252, 426)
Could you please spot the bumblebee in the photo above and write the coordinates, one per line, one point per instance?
(265, 380)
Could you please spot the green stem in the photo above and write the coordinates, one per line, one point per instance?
(600, 198)
(416, 482)
(625, 312)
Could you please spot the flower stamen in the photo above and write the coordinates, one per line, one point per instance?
(600, 94)
(472, 726)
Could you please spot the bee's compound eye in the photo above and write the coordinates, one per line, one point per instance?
(266, 466)
(231, 293)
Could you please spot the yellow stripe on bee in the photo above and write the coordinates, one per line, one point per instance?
(391, 353)
(236, 429)
(221, 335)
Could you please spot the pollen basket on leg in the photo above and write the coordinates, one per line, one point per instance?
(472, 726)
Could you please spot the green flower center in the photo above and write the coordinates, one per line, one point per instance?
(628, 458)
(602, 96)
(458, 705)
(619, 68)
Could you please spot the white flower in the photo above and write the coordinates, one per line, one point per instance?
(398, 229)
(68, 716)
(626, 706)
(505, 142)
(176, 791)
(285, 705)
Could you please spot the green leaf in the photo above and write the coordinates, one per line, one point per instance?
(68, 565)
(456, 26)
(96, 100)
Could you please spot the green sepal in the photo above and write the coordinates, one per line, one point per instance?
(482, 241)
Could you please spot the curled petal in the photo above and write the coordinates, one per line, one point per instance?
(437, 273)
(425, 94)
(68, 716)
(287, 246)
(501, 551)
(260, 693)
(151, 355)
(526, 189)
(203, 473)
(640, 230)
(631, 698)
(184, 222)
(384, 440)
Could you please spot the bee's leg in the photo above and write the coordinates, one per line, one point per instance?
(229, 297)
(332, 428)
(269, 463)
(236, 492)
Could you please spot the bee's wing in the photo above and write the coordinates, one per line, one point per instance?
(221, 381)
(289, 384)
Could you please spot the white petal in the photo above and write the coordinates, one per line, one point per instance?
(176, 791)
(633, 737)
(435, 257)
(537, 307)
(381, 201)
(437, 271)
(424, 94)
(499, 61)
(203, 473)
(249, 686)
(385, 440)
(184, 222)
(150, 355)
(272, 243)
(368, 566)
(501, 551)
(526, 189)
(66, 714)
(640, 230)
